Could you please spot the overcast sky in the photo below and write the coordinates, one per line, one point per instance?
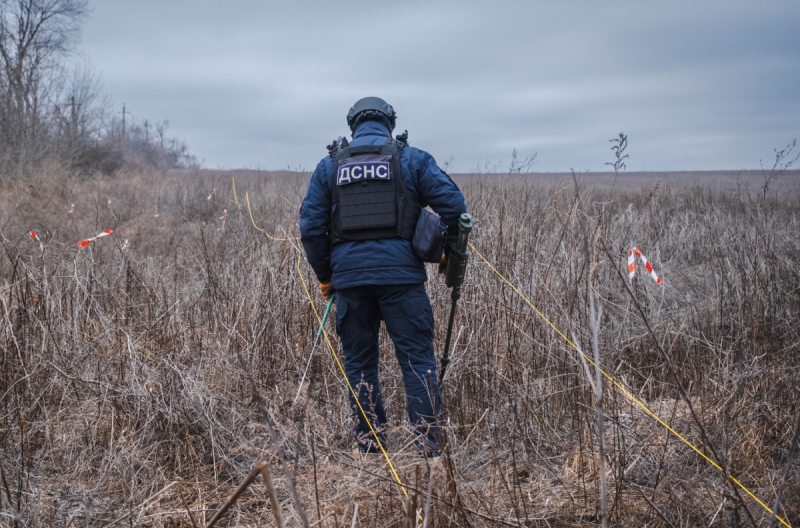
(695, 85)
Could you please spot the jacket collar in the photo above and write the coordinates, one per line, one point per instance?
(371, 128)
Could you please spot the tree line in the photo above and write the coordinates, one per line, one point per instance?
(52, 108)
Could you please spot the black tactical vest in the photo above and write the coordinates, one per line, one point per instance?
(370, 200)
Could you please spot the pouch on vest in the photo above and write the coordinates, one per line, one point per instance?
(429, 237)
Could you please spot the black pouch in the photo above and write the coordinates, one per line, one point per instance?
(429, 237)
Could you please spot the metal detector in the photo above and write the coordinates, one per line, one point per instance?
(456, 268)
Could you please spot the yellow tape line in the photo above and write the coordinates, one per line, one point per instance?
(236, 198)
(330, 345)
(249, 210)
(542, 316)
(349, 386)
(625, 391)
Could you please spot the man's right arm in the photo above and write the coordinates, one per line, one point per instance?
(437, 189)
(315, 216)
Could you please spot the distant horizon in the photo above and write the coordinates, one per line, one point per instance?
(709, 172)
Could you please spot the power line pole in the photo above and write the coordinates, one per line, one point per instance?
(73, 118)
(123, 121)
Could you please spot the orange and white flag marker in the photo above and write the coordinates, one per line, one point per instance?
(84, 243)
(632, 265)
(212, 193)
(224, 217)
(37, 239)
(71, 209)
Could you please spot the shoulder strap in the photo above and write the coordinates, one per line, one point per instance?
(385, 149)
(336, 145)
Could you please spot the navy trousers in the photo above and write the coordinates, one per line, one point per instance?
(406, 311)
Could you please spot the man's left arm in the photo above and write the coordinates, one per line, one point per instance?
(314, 225)
(437, 189)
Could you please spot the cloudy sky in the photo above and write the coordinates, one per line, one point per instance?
(695, 85)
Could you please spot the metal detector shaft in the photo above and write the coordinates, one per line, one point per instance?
(326, 314)
(314, 346)
(456, 267)
(446, 355)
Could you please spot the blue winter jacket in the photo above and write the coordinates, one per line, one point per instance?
(371, 262)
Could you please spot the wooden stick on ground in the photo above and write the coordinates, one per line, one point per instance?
(260, 468)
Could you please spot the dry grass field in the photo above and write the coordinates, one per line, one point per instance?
(125, 376)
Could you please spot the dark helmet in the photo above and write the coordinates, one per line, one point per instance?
(371, 108)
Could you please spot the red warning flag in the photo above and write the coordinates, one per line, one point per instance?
(84, 243)
(632, 265)
(37, 239)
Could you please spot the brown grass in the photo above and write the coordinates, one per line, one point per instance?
(123, 399)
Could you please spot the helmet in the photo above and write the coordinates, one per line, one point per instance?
(371, 108)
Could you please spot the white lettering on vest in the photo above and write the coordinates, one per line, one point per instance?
(370, 170)
(344, 175)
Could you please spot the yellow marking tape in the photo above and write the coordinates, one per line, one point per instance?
(613, 380)
(625, 391)
(349, 386)
(247, 200)
(290, 203)
(331, 347)
(236, 198)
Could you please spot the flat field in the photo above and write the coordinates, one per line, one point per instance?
(143, 376)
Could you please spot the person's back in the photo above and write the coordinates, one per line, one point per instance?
(374, 270)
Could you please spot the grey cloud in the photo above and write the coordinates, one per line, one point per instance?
(695, 85)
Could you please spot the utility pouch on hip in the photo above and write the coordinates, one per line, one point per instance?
(429, 237)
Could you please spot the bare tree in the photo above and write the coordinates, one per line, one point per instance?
(77, 115)
(35, 35)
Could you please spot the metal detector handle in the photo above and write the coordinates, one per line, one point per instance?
(457, 259)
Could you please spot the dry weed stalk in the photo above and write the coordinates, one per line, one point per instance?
(261, 468)
(789, 459)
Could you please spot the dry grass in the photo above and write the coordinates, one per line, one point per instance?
(124, 398)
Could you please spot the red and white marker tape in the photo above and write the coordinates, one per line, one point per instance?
(224, 217)
(37, 239)
(632, 265)
(84, 243)
(212, 193)
(71, 209)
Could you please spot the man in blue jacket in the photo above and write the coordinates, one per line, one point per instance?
(356, 223)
